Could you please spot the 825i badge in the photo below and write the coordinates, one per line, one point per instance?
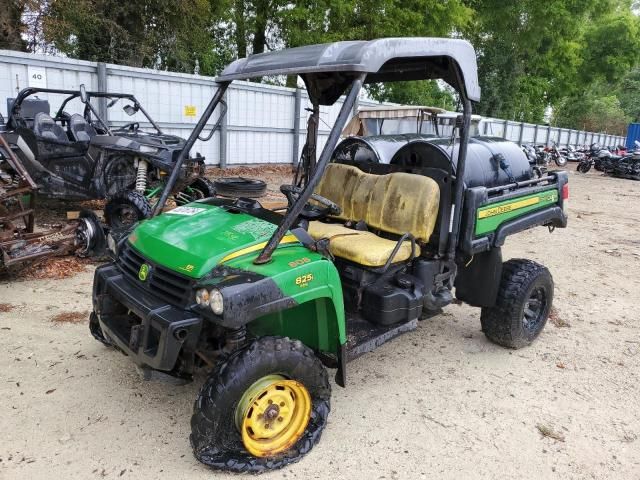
(303, 280)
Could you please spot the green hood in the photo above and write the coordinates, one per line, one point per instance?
(193, 239)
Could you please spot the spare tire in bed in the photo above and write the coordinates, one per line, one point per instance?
(240, 187)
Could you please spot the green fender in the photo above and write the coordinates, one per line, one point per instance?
(312, 281)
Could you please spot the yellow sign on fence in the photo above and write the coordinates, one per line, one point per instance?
(189, 110)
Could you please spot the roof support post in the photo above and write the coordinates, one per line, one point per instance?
(224, 131)
(295, 151)
(456, 208)
(195, 133)
(294, 211)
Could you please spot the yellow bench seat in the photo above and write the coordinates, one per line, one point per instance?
(364, 248)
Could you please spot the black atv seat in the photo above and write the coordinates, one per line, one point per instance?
(45, 127)
(80, 129)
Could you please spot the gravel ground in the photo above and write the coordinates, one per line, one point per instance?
(439, 402)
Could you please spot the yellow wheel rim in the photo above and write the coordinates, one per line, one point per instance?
(272, 415)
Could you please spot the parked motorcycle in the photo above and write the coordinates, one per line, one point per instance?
(601, 159)
(595, 157)
(556, 155)
(538, 159)
(572, 154)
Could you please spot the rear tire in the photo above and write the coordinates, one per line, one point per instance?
(523, 304)
(126, 208)
(560, 160)
(215, 437)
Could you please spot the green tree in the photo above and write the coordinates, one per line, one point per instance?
(628, 92)
(529, 53)
(11, 26)
(158, 33)
(611, 47)
(595, 110)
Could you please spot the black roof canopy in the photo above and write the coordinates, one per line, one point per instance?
(328, 69)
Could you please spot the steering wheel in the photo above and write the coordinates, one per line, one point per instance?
(310, 211)
(132, 127)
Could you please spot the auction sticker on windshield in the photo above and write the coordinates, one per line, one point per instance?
(186, 211)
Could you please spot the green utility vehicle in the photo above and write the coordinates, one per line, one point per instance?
(374, 238)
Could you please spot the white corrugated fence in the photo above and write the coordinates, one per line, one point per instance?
(262, 120)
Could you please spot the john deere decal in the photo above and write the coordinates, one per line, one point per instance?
(143, 273)
(491, 216)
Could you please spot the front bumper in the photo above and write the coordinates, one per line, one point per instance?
(149, 330)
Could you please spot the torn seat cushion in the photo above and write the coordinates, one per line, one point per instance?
(363, 248)
(396, 203)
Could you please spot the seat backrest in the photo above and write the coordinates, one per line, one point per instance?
(81, 130)
(45, 127)
(396, 203)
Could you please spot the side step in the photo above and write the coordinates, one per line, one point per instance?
(364, 336)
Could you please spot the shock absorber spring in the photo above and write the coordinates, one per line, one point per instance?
(141, 176)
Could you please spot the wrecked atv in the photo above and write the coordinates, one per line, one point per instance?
(369, 244)
(79, 157)
(19, 242)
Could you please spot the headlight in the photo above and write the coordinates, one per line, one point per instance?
(202, 297)
(216, 302)
(148, 149)
(111, 244)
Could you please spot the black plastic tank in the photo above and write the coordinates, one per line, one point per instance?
(491, 162)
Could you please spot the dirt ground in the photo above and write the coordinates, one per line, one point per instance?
(440, 402)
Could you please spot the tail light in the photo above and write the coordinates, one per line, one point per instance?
(565, 199)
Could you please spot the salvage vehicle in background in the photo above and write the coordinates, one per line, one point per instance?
(369, 244)
(19, 240)
(79, 157)
(405, 120)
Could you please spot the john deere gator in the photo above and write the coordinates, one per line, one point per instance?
(378, 234)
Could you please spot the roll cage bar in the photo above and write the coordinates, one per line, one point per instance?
(72, 95)
(330, 70)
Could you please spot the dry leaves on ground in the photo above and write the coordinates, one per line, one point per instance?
(70, 317)
(53, 268)
(557, 320)
(6, 307)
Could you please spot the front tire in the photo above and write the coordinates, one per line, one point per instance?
(228, 419)
(522, 307)
(584, 167)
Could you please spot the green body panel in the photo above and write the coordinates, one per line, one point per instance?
(194, 244)
(490, 217)
(313, 282)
